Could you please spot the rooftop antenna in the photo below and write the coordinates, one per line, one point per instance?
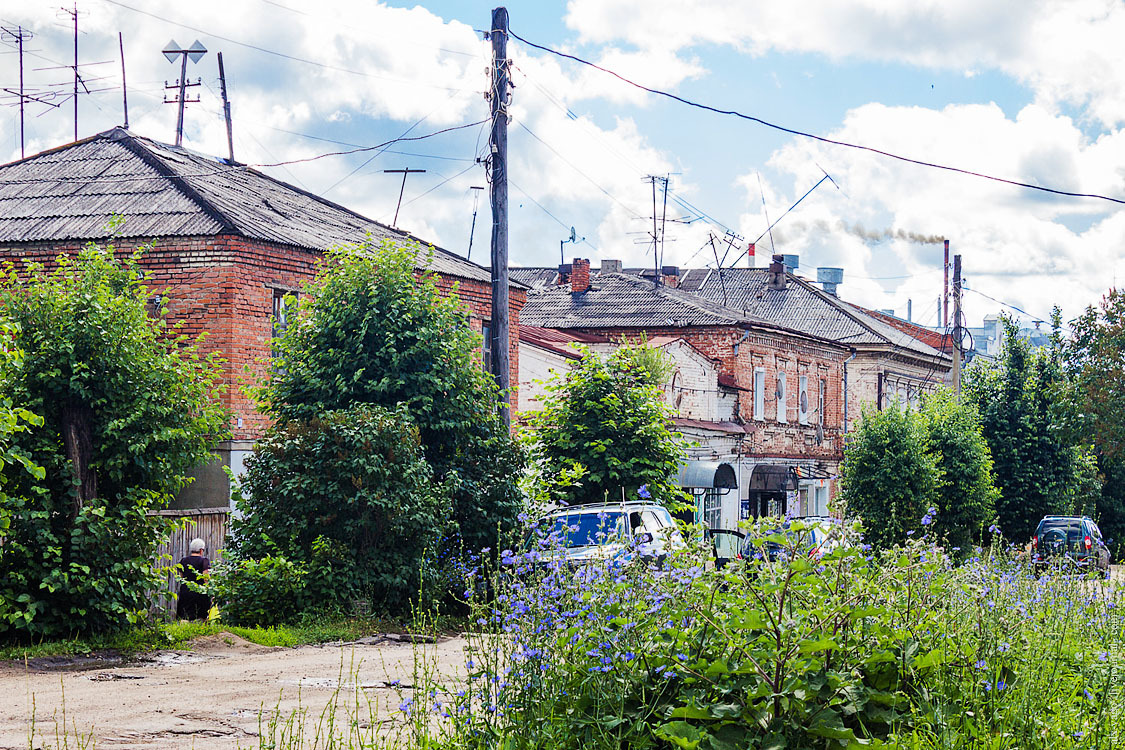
(573, 238)
(196, 52)
(405, 173)
(19, 34)
(73, 13)
(226, 109)
(472, 230)
(124, 90)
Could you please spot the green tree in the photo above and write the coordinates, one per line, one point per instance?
(604, 430)
(1093, 360)
(127, 411)
(1038, 468)
(13, 420)
(372, 330)
(965, 493)
(889, 477)
(348, 496)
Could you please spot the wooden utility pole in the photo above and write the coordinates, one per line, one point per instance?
(498, 170)
(957, 331)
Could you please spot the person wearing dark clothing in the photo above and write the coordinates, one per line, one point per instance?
(191, 605)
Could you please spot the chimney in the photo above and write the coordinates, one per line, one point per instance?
(776, 274)
(611, 266)
(829, 279)
(792, 262)
(670, 275)
(579, 276)
(751, 261)
(564, 274)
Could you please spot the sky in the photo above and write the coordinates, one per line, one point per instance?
(1032, 92)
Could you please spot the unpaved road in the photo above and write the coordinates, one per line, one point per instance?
(211, 697)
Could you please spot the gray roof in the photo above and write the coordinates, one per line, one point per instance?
(533, 276)
(621, 301)
(70, 193)
(800, 306)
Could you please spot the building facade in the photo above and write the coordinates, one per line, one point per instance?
(226, 247)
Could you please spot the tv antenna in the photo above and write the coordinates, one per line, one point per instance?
(405, 173)
(196, 52)
(472, 230)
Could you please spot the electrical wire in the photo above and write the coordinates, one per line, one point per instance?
(543, 208)
(813, 136)
(294, 58)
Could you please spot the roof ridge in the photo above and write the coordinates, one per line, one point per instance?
(135, 144)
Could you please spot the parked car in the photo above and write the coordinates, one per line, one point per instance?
(592, 533)
(812, 536)
(1069, 540)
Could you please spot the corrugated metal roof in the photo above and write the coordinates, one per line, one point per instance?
(70, 193)
(800, 306)
(621, 301)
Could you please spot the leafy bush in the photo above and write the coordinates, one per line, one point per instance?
(348, 497)
(905, 649)
(373, 330)
(604, 429)
(889, 476)
(127, 409)
(263, 592)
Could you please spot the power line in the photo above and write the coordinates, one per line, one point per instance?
(286, 56)
(236, 167)
(820, 138)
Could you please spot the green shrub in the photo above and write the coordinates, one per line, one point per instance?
(348, 497)
(263, 592)
(128, 409)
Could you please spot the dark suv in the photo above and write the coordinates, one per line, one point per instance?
(1074, 540)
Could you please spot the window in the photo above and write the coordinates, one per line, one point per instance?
(759, 393)
(822, 402)
(803, 399)
(284, 305)
(712, 509)
(781, 415)
(486, 347)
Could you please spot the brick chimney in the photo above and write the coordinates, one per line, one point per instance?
(670, 276)
(776, 274)
(579, 276)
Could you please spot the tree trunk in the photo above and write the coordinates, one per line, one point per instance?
(79, 444)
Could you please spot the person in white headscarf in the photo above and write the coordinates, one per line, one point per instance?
(192, 605)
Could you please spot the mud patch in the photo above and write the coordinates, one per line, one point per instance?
(98, 660)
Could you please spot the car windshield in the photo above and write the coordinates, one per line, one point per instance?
(586, 529)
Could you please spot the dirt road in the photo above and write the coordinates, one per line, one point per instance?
(211, 697)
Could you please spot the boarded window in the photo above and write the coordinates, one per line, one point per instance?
(803, 399)
(781, 415)
(759, 393)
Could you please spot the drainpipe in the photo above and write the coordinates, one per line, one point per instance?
(849, 359)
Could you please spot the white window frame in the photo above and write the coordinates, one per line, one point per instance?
(782, 387)
(759, 393)
(803, 399)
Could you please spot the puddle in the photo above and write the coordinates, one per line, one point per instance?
(75, 663)
(172, 658)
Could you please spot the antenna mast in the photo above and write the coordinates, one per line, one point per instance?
(226, 108)
(19, 35)
(196, 52)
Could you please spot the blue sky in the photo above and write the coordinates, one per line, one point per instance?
(1032, 91)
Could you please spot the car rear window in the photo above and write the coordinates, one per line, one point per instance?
(1057, 528)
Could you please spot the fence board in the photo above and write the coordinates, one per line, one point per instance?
(209, 524)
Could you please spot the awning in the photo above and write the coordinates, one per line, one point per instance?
(773, 478)
(708, 474)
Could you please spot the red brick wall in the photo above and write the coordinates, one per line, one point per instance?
(739, 352)
(224, 286)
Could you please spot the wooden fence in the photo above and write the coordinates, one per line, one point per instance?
(209, 524)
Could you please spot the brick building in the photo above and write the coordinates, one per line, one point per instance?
(227, 245)
(785, 387)
(889, 361)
